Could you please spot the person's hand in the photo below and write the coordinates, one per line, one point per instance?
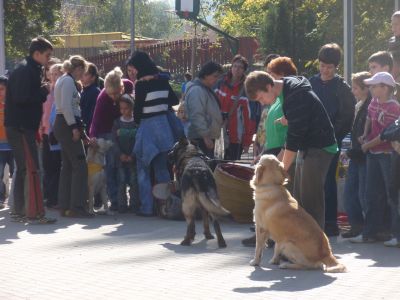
(361, 139)
(93, 142)
(123, 157)
(365, 147)
(209, 143)
(76, 135)
(256, 159)
(281, 120)
(46, 85)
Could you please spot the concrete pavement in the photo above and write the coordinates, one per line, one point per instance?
(130, 257)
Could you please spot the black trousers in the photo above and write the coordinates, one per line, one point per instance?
(52, 167)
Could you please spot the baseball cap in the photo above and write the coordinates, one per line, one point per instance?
(381, 77)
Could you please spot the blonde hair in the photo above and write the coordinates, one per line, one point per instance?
(113, 80)
(358, 79)
(58, 67)
(74, 62)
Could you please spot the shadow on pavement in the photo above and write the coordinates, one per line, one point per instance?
(286, 280)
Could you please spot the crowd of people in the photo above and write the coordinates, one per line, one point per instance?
(52, 117)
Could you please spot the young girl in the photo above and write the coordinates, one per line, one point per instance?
(51, 159)
(124, 132)
(382, 111)
(354, 189)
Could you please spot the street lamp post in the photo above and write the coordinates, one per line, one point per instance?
(2, 43)
(348, 39)
(132, 26)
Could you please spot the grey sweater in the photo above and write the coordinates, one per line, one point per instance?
(67, 99)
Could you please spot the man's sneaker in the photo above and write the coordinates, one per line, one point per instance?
(360, 239)
(392, 243)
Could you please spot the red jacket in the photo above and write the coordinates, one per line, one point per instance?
(240, 129)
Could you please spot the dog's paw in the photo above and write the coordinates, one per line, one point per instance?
(254, 262)
(222, 244)
(284, 265)
(186, 242)
(209, 236)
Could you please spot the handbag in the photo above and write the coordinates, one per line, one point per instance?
(392, 132)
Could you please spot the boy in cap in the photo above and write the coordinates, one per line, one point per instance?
(382, 111)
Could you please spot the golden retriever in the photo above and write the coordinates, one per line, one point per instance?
(278, 216)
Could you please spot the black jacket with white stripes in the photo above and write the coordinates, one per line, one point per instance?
(153, 97)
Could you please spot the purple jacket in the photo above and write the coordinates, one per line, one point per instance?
(106, 111)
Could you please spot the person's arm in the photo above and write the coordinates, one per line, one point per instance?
(115, 140)
(345, 115)
(248, 132)
(288, 158)
(140, 97)
(367, 129)
(195, 103)
(67, 92)
(97, 115)
(372, 143)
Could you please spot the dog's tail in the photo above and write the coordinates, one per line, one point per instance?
(210, 202)
(332, 265)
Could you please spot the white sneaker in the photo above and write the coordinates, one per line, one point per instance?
(359, 239)
(392, 243)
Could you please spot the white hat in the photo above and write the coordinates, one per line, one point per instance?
(381, 77)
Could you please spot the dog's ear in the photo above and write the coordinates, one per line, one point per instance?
(183, 141)
(257, 175)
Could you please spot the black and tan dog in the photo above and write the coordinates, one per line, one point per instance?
(198, 190)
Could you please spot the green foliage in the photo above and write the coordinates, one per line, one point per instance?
(25, 20)
(151, 18)
(298, 28)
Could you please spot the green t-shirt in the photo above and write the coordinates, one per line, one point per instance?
(275, 132)
(332, 148)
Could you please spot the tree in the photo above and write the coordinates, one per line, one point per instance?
(298, 28)
(24, 20)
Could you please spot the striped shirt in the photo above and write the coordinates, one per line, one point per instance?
(152, 98)
(381, 116)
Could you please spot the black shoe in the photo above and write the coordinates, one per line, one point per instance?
(114, 207)
(332, 230)
(144, 214)
(249, 242)
(351, 233)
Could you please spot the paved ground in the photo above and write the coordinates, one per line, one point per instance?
(130, 257)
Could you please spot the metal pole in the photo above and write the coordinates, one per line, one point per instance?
(194, 48)
(132, 26)
(2, 44)
(396, 5)
(348, 39)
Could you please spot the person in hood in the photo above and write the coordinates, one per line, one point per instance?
(310, 135)
(154, 99)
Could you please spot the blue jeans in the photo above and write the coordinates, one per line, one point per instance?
(354, 193)
(161, 173)
(6, 157)
(377, 185)
(127, 177)
(111, 171)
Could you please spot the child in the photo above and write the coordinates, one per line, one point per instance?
(51, 159)
(354, 189)
(6, 156)
(380, 61)
(124, 132)
(394, 41)
(382, 111)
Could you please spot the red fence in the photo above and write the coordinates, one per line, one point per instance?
(176, 56)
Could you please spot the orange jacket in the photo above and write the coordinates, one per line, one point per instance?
(240, 129)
